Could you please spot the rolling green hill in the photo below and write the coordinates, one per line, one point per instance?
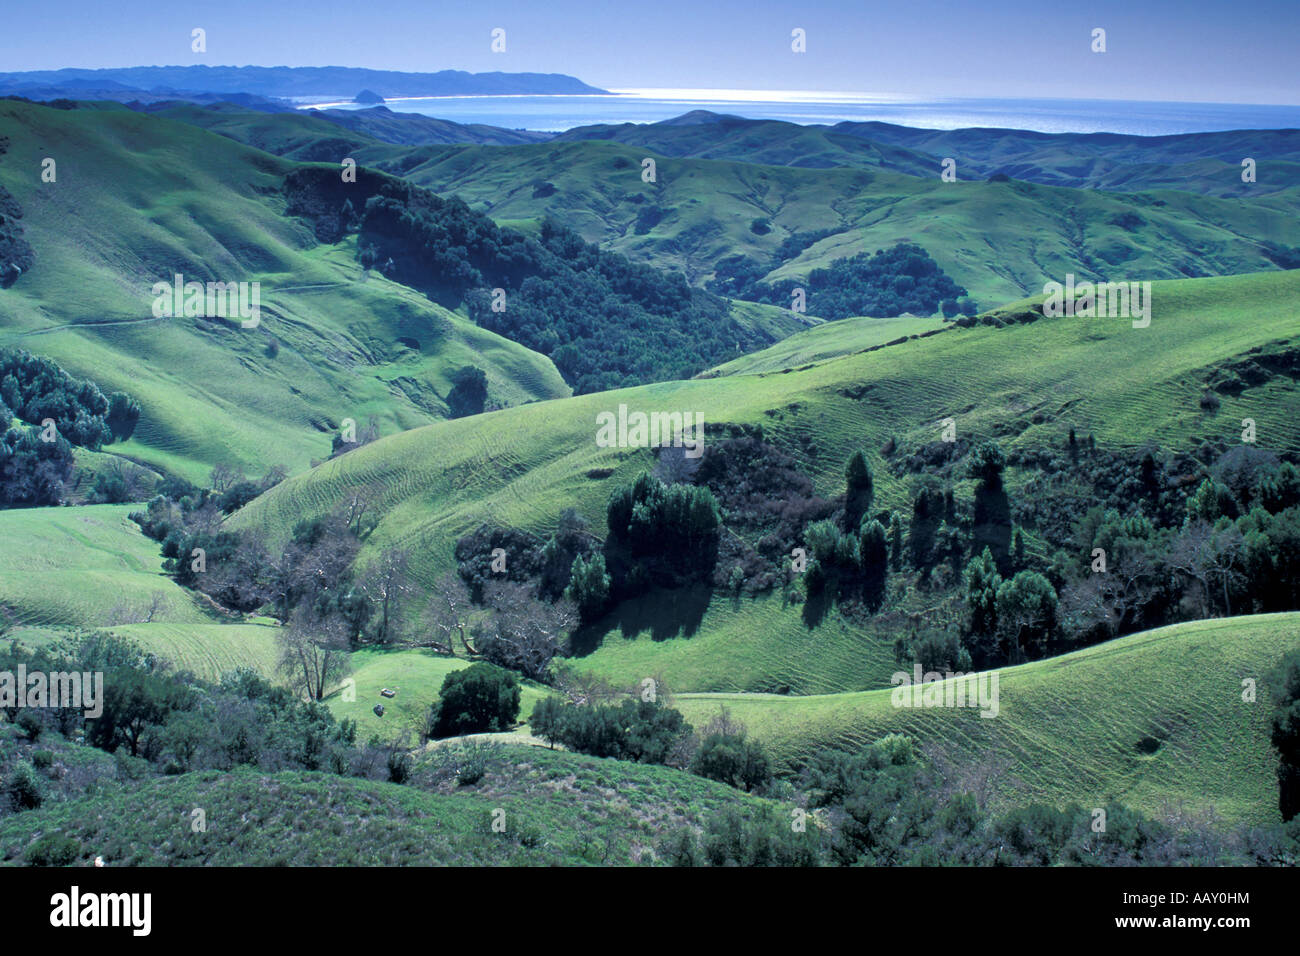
(1025, 384)
(330, 135)
(1208, 163)
(717, 176)
(1148, 719)
(559, 809)
(704, 135)
(139, 198)
(1001, 240)
(87, 566)
(64, 570)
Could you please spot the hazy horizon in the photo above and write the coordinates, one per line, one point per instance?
(1199, 51)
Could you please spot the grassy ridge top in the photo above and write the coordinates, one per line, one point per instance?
(825, 341)
(1208, 163)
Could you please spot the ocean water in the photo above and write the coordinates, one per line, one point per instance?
(556, 113)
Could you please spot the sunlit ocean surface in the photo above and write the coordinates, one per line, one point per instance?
(555, 113)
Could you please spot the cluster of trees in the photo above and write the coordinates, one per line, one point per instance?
(1231, 546)
(848, 556)
(649, 731)
(34, 389)
(641, 731)
(1010, 620)
(660, 535)
(159, 721)
(16, 255)
(1132, 542)
(228, 566)
(605, 321)
(37, 462)
(768, 502)
(326, 603)
(33, 472)
(886, 283)
(1235, 550)
(663, 535)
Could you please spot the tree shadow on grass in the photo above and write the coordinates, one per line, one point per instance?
(664, 614)
(816, 606)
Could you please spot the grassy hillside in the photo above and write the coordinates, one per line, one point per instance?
(717, 176)
(89, 567)
(330, 135)
(85, 567)
(139, 198)
(1001, 240)
(827, 341)
(1144, 719)
(559, 809)
(1024, 384)
(1208, 163)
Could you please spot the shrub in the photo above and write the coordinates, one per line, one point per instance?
(54, 849)
(399, 766)
(481, 698)
(30, 723)
(110, 489)
(644, 731)
(469, 392)
(24, 787)
(733, 759)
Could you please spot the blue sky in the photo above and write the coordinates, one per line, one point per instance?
(1191, 50)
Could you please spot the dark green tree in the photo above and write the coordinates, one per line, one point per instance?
(482, 698)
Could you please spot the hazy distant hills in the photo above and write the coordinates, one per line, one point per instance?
(327, 135)
(285, 81)
(416, 129)
(700, 134)
(793, 198)
(1206, 163)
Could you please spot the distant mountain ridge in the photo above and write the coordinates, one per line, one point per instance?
(1206, 163)
(291, 81)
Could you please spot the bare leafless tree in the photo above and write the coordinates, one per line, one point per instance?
(451, 614)
(223, 477)
(524, 632)
(358, 507)
(674, 466)
(1211, 557)
(313, 652)
(386, 583)
(585, 688)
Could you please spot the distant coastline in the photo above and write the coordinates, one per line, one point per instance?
(559, 112)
